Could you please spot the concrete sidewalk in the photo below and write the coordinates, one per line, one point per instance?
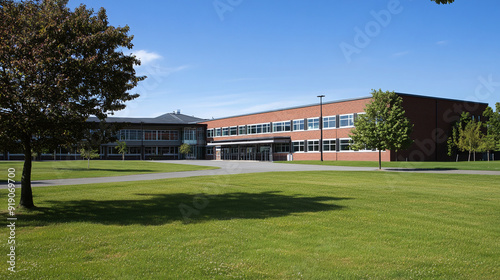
(237, 167)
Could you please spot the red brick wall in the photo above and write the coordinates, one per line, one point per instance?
(433, 119)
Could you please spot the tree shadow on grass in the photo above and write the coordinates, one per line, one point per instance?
(159, 209)
(104, 169)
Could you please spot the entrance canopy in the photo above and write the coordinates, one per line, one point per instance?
(250, 141)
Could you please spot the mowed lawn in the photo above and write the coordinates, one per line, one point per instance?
(461, 165)
(49, 170)
(301, 225)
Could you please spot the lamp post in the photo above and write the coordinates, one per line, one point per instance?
(321, 124)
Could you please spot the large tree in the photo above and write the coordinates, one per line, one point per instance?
(57, 68)
(384, 125)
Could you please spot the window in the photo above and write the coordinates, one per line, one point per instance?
(225, 131)
(168, 135)
(329, 145)
(312, 123)
(259, 128)
(282, 148)
(150, 135)
(218, 132)
(298, 146)
(313, 145)
(168, 150)
(150, 150)
(242, 130)
(298, 125)
(134, 150)
(130, 134)
(345, 144)
(346, 120)
(330, 122)
(210, 150)
(189, 134)
(210, 133)
(281, 126)
(233, 131)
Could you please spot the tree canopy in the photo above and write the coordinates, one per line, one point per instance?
(384, 126)
(443, 1)
(57, 68)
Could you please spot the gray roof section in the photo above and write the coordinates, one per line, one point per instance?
(169, 118)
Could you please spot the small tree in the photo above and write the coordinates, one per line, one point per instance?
(470, 138)
(122, 148)
(384, 126)
(88, 154)
(185, 149)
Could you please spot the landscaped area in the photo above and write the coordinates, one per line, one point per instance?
(302, 225)
(461, 165)
(49, 170)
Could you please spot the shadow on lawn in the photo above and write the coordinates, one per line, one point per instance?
(402, 169)
(104, 169)
(159, 209)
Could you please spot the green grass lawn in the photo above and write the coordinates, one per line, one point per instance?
(301, 225)
(48, 170)
(461, 165)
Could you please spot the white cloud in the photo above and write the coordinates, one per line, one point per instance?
(442, 43)
(146, 57)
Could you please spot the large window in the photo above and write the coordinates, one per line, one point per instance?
(130, 134)
(189, 134)
(298, 146)
(210, 133)
(281, 126)
(313, 145)
(168, 150)
(150, 150)
(298, 125)
(242, 130)
(225, 131)
(330, 122)
(150, 135)
(233, 130)
(218, 132)
(312, 123)
(258, 128)
(282, 148)
(345, 144)
(329, 145)
(168, 135)
(346, 120)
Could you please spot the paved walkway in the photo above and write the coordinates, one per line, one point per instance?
(236, 167)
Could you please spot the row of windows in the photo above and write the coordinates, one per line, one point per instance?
(158, 135)
(329, 122)
(328, 145)
(147, 150)
(148, 135)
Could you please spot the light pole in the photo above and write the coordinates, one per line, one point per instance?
(321, 124)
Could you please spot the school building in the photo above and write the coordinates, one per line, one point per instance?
(295, 133)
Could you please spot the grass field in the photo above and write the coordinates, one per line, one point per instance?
(48, 170)
(301, 225)
(461, 165)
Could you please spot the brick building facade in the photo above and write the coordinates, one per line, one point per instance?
(294, 133)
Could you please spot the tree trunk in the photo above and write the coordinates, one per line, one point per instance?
(88, 163)
(469, 156)
(123, 157)
(26, 192)
(379, 159)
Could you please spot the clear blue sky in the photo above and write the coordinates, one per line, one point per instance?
(227, 57)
